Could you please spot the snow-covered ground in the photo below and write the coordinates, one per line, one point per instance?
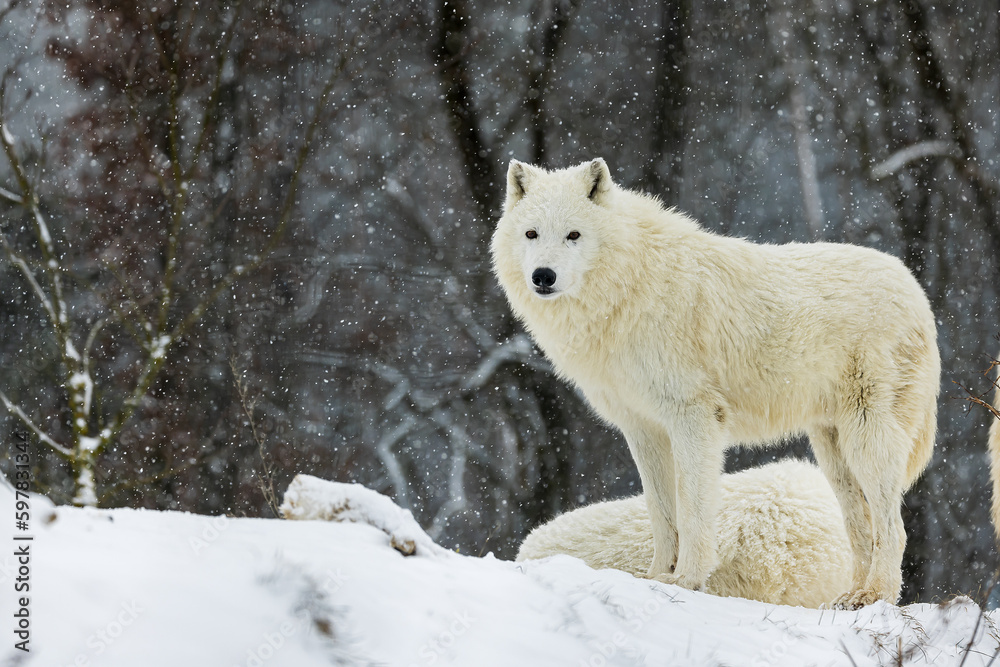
(134, 588)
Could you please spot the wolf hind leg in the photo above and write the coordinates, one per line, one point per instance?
(872, 453)
(847, 489)
(878, 461)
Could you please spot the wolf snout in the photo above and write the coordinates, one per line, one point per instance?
(543, 279)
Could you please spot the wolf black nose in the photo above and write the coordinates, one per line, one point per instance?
(543, 278)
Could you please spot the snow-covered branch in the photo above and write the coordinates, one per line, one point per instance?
(26, 420)
(517, 348)
(912, 153)
(29, 275)
(389, 461)
(457, 501)
(77, 381)
(56, 305)
(11, 197)
(91, 339)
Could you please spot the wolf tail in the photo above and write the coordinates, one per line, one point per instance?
(995, 456)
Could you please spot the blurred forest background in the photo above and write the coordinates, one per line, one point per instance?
(245, 240)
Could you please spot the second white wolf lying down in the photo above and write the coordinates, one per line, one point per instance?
(781, 537)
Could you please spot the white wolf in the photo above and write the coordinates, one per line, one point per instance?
(781, 537)
(691, 342)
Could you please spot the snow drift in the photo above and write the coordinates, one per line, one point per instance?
(125, 587)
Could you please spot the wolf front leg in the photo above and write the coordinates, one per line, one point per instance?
(650, 449)
(698, 448)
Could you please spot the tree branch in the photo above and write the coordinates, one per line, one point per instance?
(29, 275)
(11, 197)
(912, 153)
(178, 194)
(57, 306)
(73, 383)
(266, 480)
(983, 400)
(517, 348)
(457, 500)
(159, 343)
(224, 44)
(15, 410)
(389, 461)
(286, 211)
(936, 84)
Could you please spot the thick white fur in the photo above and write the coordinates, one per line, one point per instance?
(691, 342)
(781, 537)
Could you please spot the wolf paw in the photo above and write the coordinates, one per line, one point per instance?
(857, 599)
(678, 580)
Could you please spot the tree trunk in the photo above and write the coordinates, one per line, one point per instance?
(669, 102)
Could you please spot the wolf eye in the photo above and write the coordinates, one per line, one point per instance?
(531, 234)
(572, 236)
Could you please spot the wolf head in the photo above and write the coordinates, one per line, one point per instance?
(551, 229)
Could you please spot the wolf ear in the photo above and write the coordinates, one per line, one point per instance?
(598, 180)
(519, 176)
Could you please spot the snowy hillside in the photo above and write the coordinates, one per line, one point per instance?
(130, 588)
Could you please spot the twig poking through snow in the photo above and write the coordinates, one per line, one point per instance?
(266, 478)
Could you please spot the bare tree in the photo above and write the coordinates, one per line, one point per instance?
(171, 76)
